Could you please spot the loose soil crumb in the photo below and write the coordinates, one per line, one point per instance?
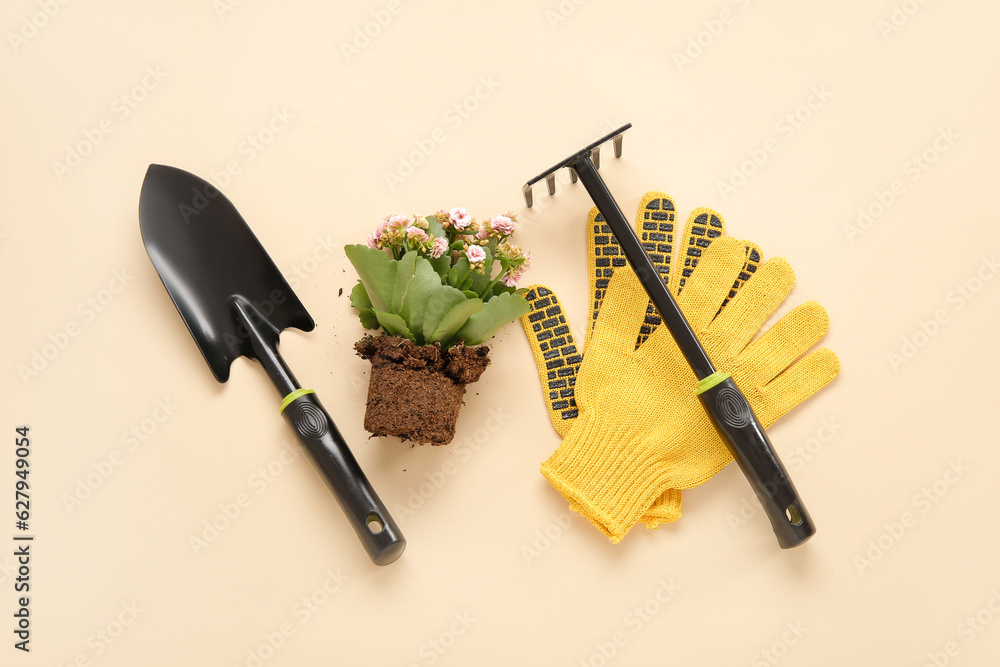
(415, 391)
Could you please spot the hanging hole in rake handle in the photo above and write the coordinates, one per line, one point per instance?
(375, 523)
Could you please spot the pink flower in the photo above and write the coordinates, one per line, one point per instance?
(475, 254)
(502, 225)
(460, 217)
(439, 247)
(483, 233)
(416, 234)
(511, 279)
(397, 222)
(373, 239)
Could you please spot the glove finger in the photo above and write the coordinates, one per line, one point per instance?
(555, 352)
(666, 509)
(750, 267)
(786, 341)
(756, 301)
(604, 255)
(623, 312)
(704, 225)
(710, 281)
(796, 384)
(654, 225)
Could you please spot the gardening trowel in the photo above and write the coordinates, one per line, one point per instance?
(235, 302)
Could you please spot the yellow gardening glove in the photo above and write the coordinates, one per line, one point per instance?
(639, 437)
(674, 256)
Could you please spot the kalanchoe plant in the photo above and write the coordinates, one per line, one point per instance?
(442, 278)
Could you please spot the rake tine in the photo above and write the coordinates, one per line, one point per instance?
(590, 153)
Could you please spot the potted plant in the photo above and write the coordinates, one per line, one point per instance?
(438, 287)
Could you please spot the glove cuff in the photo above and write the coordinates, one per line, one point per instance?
(606, 474)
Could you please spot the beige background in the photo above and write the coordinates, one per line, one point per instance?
(496, 571)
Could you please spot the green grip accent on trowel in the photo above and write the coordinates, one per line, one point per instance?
(707, 383)
(298, 393)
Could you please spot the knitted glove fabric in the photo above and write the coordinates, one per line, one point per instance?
(641, 430)
(635, 432)
(675, 256)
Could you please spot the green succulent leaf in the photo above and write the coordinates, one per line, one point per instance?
(459, 272)
(434, 227)
(360, 300)
(406, 267)
(416, 280)
(440, 302)
(394, 325)
(368, 319)
(480, 281)
(377, 272)
(454, 320)
(359, 297)
(495, 313)
(441, 265)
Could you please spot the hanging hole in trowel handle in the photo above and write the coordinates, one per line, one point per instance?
(375, 524)
(793, 515)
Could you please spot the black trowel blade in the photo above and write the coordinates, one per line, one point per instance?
(207, 257)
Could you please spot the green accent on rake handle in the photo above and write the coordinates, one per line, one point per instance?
(707, 383)
(298, 393)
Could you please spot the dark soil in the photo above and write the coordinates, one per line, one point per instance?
(415, 391)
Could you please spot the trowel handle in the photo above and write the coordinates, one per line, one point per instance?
(316, 431)
(747, 440)
(370, 519)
